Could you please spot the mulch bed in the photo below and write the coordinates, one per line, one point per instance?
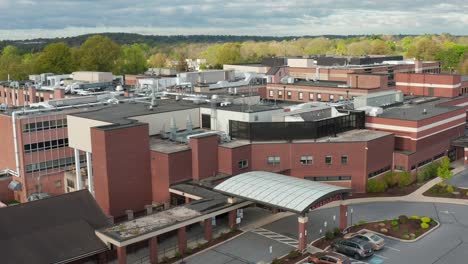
(413, 226)
(204, 246)
(441, 191)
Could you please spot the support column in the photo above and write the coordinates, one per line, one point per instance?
(343, 216)
(208, 229)
(78, 170)
(182, 239)
(102, 258)
(122, 255)
(303, 220)
(89, 167)
(232, 219)
(153, 250)
(187, 200)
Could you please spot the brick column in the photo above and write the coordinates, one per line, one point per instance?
(303, 220)
(153, 250)
(466, 156)
(182, 239)
(232, 219)
(343, 216)
(208, 229)
(187, 200)
(122, 255)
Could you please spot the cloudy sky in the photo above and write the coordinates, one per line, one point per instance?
(22, 19)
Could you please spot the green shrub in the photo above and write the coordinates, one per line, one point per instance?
(426, 219)
(443, 171)
(376, 186)
(424, 225)
(403, 219)
(395, 228)
(442, 184)
(276, 261)
(417, 233)
(428, 172)
(466, 193)
(362, 222)
(414, 217)
(336, 231)
(329, 235)
(450, 189)
(395, 223)
(189, 250)
(403, 179)
(406, 236)
(389, 178)
(178, 254)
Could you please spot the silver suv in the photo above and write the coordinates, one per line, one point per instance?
(353, 247)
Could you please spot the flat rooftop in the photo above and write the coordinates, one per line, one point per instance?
(320, 83)
(420, 111)
(120, 113)
(243, 108)
(166, 146)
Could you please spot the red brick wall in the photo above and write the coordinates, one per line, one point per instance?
(427, 80)
(122, 170)
(5, 193)
(204, 156)
(367, 81)
(160, 177)
(229, 158)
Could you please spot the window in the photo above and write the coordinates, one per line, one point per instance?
(275, 160)
(307, 160)
(378, 172)
(301, 96)
(344, 160)
(328, 160)
(271, 93)
(242, 164)
(319, 97)
(289, 94)
(311, 96)
(422, 163)
(332, 97)
(413, 167)
(331, 178)
(70, 183)
(341, 98)
(280, 94)
(399, 167)
(436, 157)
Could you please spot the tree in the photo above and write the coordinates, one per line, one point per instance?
(55, 58)
(463, 66)
(182, 65)
(444, 169)
(131, 60)
(11, 64)
(99, 53)
(379, 47)
(450, 55)
(157, 60)
(423, 49)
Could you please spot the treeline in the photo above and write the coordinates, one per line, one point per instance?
(130, 55)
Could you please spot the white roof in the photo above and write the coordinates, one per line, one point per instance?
(286, 192)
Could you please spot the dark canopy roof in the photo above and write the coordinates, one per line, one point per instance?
(52, 230)
(277, 190)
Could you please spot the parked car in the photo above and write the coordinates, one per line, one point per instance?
(377, 242)
(328, 258)
(354, 247)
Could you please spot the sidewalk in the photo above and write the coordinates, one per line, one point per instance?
(416, 196)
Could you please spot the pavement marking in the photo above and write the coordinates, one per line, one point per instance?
(395, 249)
(275, 236)
(380, 256)
(376, 260)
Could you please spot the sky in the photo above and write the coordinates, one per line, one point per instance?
(27, 19)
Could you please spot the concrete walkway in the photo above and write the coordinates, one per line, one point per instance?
(416, 196)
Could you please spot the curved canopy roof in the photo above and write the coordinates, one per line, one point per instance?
(286, 192)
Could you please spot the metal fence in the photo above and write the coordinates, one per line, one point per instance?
(265, 131)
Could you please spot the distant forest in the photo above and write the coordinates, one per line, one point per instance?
(123, 53)
(36, 45)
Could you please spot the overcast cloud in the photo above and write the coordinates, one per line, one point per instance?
(22, 19)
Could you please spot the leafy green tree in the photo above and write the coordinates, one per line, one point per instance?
(182, 65)
(158, 60)
(11, 64)
(423, 49)
(99, 53)
(444, 169)
(131, 60)
(450, 55)
(380, 47)
(55, 58)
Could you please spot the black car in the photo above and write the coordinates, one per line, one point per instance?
(353, 247)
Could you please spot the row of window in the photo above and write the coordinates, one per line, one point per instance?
(45, 125)
(378, 172)
(300, 95)
(53, 164)
(307, 160)
(422, 163)
(331, 178)
(46, 145)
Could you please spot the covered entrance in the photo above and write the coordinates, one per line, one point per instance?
(287, 193)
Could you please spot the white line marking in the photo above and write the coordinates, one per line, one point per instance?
(396, 249)
(380, 256)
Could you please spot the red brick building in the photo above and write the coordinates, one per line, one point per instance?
(425, 84)
(12, 96)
